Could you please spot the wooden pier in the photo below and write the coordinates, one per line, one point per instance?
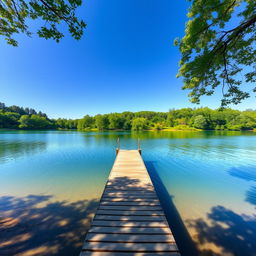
(129, 219)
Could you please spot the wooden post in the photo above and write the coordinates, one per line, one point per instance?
(139, 149)
(118, 145)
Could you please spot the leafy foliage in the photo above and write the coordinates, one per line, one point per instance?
(139, 124)
(200, 122)
(218, 49)
(101, 122)
(14, 16)
(85, 123)
(15, 117)
(25, 118)
(34, 122)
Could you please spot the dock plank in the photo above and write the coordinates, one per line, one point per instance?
(165, 238)
(130, 230)
(130, 247)
(130, 208)
(129, 218)
(130, 213)
(90, 253)
(105, 223)
(136, 203)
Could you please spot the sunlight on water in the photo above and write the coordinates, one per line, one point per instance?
(51, 183)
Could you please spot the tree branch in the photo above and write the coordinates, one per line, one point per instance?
(215, 7)
(55, 11)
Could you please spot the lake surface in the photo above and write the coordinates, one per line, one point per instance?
(51, 182)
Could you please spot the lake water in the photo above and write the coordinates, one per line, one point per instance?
(51, 182)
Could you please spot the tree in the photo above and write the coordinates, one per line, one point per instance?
(2, 106)
(139, 123)
(170, 119)
(200, 122)
(219, 44)
(101, 122)
(24, 122)
(116, 121)
(32, 111)
(9, 120)
(158, 126)
(85, 123)
(17, 109)
(14, 16)
(34, 122)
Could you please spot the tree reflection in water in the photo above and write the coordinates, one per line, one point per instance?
(232, 233)
(34, 225)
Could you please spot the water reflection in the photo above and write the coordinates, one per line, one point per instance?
(247, 173)
(33, 225)
(164, 134)
(14, 149)
(227, 232)
(207, 181)
(251, 195)
(180, 232)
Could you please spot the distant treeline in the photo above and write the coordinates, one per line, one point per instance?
(15, 117)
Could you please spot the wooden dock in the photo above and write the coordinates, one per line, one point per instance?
(129, 219)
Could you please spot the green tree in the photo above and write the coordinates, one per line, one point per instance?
(9, 120)
(14, 16)
(101, 122)
(34, 122)
(24, 122)
(127, 116)
(170, 119)
(158, 126)
(116, 121)
(86, 122)
(139, 124)
(17, 109)
(2, 106)
(219, 44)
(200, 122)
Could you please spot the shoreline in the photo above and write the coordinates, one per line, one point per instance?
(121, 130)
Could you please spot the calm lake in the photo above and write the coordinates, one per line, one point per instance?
(51, 182)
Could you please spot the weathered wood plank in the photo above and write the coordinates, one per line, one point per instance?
(114, 199)
(165, 238)
(130, 247)
(127, 189)
(130, 208)
(88, 253)
(130, 213)
(130, 230)
(136, 203)
(130, 197)
(105, 223)
(129, 218)
(129, 193)
(139, 184)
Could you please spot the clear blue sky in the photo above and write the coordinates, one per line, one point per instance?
(125, 61)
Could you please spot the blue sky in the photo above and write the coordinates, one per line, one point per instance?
(125, 61)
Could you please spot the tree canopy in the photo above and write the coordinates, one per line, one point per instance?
(218, 49)
(15, 117)
(139, 124)
(15, 14)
